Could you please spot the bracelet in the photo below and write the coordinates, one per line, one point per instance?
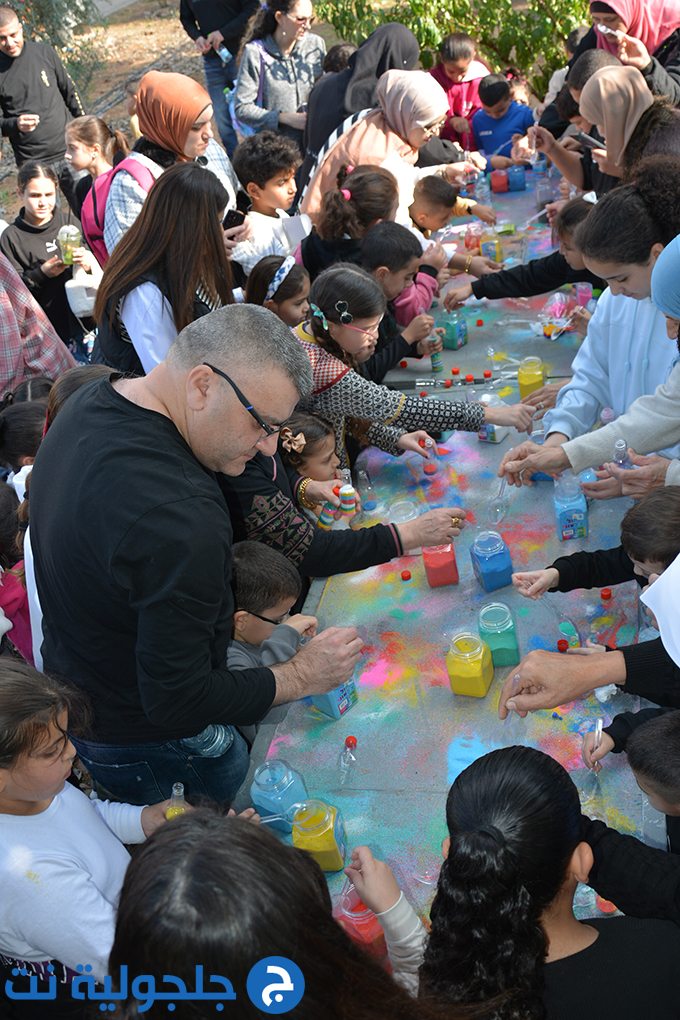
(301, 494)
(468, 263)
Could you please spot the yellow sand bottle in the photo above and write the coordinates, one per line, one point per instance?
(176, 806)
(318, 827)
(469, 664)
(530, 375)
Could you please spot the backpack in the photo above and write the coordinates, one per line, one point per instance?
(94, 207)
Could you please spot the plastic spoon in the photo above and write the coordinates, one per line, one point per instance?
(499, 504)
(561, 620)
(505, 735)
(605, 30)
(285, 816)
(596, 743)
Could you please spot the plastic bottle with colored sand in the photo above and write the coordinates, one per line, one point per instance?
(440, 565)
(318, 828)
(275, 788)
(360, 923)
(455, 326)
(469, 665)
(491, 244)
(176, 806)
(621, 458)
(337, 702)
(491, 560)
(490, 433)
(570, 508)
(570, 634)
(347, 762)
(497, 628)
(530, 375)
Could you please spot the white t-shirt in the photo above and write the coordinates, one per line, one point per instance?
(61, 873)
(271, 235)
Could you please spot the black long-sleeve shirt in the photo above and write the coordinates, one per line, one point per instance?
(230, 17)
(261, 506)
(538, 277)
(37, 82)
(132, 543)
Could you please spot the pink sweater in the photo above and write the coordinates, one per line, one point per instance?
(417, 297)
(463, 99)
(14, 604)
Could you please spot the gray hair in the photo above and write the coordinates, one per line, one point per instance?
(248, 336)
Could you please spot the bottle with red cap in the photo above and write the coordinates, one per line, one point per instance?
(470, 387)
(562, 645)
(348, 760)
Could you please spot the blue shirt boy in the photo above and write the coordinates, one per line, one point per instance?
(495, 133)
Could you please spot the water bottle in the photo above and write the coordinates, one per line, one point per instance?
(607, 416)
(457, 381)
(348, 759)
(223, 53)
(570, 508)
(621, 457)
(483, 190)
(542, 185)
(211, 742)
(592, 304)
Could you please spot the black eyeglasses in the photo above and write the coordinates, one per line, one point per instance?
(265, 619)
(268, 430)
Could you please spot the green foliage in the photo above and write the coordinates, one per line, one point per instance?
(531, 38)
(53, 21)
(83, 59)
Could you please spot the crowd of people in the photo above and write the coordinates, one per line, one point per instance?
(193, 343)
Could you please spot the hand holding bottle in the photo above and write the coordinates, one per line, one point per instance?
(533, 583)
(519, 416)
(373, 880)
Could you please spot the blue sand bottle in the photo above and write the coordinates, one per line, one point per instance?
(491, 560)
(335, 703)
(570, 508)
(275, 788)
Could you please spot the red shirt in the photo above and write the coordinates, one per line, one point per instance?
(463, 99)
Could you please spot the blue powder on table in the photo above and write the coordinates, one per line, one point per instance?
(462, 752)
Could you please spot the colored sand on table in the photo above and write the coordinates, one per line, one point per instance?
(462, 752)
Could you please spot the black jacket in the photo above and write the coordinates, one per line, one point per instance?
(318, 254)
(37, 82)
(538, 277)
(230, 17)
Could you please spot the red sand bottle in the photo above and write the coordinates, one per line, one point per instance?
(440, 565)
(361, 924)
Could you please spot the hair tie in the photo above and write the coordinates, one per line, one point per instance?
(346, 193)
(316, 311)
(350, 169)
(345, 315)
(23, 525)
(492, 831)
(291, 443)
(279, 276)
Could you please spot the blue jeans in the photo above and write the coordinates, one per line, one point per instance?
(144, 773)
(218, 77)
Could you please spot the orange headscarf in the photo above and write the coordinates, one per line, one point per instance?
(168, 106)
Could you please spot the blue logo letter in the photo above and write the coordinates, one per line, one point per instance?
(275, 985)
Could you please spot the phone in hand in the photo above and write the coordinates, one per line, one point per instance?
(588, 140)
(234, 218)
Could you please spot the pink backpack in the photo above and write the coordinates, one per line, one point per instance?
(94, 207)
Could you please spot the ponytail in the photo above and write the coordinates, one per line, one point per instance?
(625, 224)
(514, 821)
(91, 130)
(363, 195)
(356, 292)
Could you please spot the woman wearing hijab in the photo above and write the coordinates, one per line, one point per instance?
(632, 122)
(413, 107)
(644, 34)
(174, 117)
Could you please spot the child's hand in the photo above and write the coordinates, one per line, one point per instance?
(53, 266)
(418, 328)
(250, 814)
(500, 162)
(456, 296)
(153, 816)
(538, 581)
(431, 344)
(487, 213)
(443, 277)
(552, 209)
(434, 256)
(411, 441)
(580, 318)
(589, 648)
(519, 416)
(482, 264)
(306, 626)
(373, 880)
(592, 758)
(83, 258)
(460, 124)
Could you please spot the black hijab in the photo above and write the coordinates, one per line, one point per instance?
(390, 47)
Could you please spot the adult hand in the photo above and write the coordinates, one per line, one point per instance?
(551, 679)
(633, 52)
(522, 461)
(461, 125)
(606, 165)
(431, 344)
(518, 416)
(541, 139)
(538, 581)
(412, 440)
(54, 266)
(324, 663)
(546, 396)
(418, 328)
(482, 264)
(294, 120)
(606, 486)
(216, 39)
(434, 256)
(477, 160)
(456, 296)
(571, 144)
(234, 235)
(373, 880)
(592, 758)
(650, 474)
(487, 213)
(436, 527)
(202, 44)
(28, 121)
(83, 258)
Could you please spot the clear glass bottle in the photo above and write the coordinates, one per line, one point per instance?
(176, 806)
(275, 788)
(212, 742)
(497, 628)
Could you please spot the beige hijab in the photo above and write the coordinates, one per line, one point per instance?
(614, 99)
(411, 99)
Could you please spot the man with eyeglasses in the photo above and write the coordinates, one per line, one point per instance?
(132, 547)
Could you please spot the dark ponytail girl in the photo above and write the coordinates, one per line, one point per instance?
(364, 195)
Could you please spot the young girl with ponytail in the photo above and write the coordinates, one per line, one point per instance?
(93, 146)
(504, 933)
(364, 196)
